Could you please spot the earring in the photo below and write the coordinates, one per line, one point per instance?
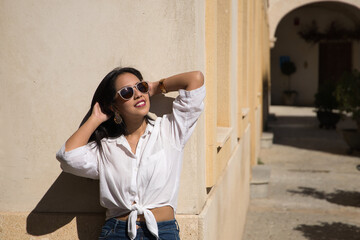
(117, 118)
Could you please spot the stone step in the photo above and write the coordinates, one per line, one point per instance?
(259, 183)
(266, 140)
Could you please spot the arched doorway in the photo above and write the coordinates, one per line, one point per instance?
(317, 61)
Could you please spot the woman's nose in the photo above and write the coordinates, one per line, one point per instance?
(137, 93)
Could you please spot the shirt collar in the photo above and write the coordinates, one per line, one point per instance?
(149, 128)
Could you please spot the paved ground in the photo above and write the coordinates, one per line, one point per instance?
(314, 189)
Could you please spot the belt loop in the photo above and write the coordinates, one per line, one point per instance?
(177, 225)
(115, 225)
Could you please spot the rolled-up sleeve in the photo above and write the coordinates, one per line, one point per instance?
(81, 161)
(187, 109)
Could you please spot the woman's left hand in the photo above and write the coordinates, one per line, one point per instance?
(153, 87)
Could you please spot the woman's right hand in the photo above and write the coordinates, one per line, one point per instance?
(83, 134)
(98, 114)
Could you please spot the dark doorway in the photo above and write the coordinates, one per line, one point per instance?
(334, 59)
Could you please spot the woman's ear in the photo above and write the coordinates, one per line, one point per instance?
(112, 107)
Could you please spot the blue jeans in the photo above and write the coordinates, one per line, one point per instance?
(114, 229)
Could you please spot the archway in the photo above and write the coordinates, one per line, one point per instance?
(315, 61)
(278, 9)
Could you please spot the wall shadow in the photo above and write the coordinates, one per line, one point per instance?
(339, 197)
(330, 231)
(69, 197)
(304, 132)
(161, 104)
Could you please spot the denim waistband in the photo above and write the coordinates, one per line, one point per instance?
(115, 223)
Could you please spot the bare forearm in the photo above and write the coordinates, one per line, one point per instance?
(188, 81)
(82, 135)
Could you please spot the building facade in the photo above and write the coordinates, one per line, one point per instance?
(53, 56)
(320, 60)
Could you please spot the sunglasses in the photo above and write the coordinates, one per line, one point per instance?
(128, 92)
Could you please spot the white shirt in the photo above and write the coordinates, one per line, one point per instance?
(151, 177)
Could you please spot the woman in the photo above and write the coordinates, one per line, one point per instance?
(137, 160)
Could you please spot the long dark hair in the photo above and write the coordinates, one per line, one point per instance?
(105, 96)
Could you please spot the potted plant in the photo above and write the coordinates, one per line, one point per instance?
(288, 68)
(325, 104)
(347, 93)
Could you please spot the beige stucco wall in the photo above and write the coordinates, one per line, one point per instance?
(53, 56)
(235, 126)
(232, 191)
(303, 54)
